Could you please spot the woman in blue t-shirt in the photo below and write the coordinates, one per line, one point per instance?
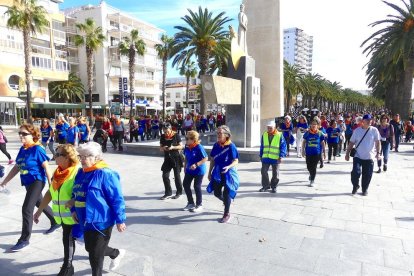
(223, 177)
(84, 130)
(313, 146)
(47, 136)
(61, 128)
(32, 163)
(287, 128)
(333, 132)
(195, 168)
(72, 133)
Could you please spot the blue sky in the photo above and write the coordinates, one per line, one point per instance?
(338, 27)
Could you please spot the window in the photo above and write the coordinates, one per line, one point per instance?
(40, 62)
(14, 82)
(61, 65)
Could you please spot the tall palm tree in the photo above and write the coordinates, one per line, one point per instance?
(69, 90)
(92, 38)
(189, 70)
(203, 38)
(130, 47)
(164, 50)
(28, 17)
(394, 45)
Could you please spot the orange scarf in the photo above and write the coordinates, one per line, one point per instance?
(347, 122)
(60, 176)
(273, 132)
(228, 142)
(98, 165)
(32, 145)
(311, 131)
(170, 136)
(118, 122)
(193, 145)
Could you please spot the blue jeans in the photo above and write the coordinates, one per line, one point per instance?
(364, 167)
(198, 180)
(385, 150)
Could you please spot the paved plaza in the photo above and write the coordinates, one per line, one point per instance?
(298, 231)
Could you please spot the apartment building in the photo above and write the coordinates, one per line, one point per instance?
(109, 64)
(49, 60)
(298, 48)
(175, 95)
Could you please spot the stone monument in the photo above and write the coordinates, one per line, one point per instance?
(242, 32)
(265, 43)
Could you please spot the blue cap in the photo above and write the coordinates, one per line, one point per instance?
(367, 117)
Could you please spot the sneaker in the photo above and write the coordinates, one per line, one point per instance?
(66, 270)
(328, 162)
(53, 159)
(312, 183)
(355, 189)
(52, 229)
(364, 193)
(11, 161)
(225, 218)
(177, 196)
(197, 209)
(321, 166)
(164, 197)
(115, 262)
(19, 246)
(273, 190)
(385, 168)
(379, 170)
(189, 207)
(263, 190)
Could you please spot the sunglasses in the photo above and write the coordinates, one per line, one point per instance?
(57, 154)
(84, 156)
(24, 134)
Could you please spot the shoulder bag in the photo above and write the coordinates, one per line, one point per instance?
(353, 150)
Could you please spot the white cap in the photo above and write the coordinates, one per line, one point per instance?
(288, 117)
(271, 124)
(340, 118)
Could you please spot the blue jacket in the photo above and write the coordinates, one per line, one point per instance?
(232, 181)
(104, 205)
(282, 151)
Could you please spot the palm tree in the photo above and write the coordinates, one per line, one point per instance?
(292, 83)
(204, 37)
(164, 50)
(92, 38)
(69, 90)
(392, 48)
(189, 70)
(28, 17)
(130, 47)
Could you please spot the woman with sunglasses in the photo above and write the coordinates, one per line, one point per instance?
(195, 169)
(32, 163)
(60, 192)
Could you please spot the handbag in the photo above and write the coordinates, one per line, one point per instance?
(353, 150)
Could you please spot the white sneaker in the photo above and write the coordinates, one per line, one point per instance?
(189, 207)
(115, 262)
(197, 209)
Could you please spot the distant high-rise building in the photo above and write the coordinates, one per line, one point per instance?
(298, 48)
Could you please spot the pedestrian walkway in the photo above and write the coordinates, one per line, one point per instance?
(298, 231)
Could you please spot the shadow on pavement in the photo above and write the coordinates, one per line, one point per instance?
(243, 194)
(172, 220)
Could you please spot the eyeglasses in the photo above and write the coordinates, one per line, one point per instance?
(84, 156)
(57, 154)
(24, 134)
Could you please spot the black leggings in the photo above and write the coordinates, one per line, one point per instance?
(221, 194)
(68, 244)
(32, 199)
(3, 149)
(332, 147)
(312, 163)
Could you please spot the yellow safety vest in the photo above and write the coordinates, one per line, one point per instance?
(60, 197)
(271, 151)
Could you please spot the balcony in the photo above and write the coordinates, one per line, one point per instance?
(71, 29)
(61, 54)
(41, 50)
(73, 60)
(59, 36)
(11, 45)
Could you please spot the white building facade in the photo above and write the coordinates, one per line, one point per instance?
(298, 48)
(109, 64)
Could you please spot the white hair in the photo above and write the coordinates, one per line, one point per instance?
(358, 119)
(91, 149)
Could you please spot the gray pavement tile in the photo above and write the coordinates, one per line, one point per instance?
(307, 231)
(361, 253)
(329, 223)
(397, 260)
(365, 228)
(319, 247)
(344, 237)
(375, 270)
(333, 266)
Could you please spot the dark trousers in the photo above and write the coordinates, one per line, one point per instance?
(3, 149)
(265, 176)
(118, 137)
(33, 198)
(364, 167)
(347, 138)
(198, 180)
(177, 180)
(96, 243)
(332, 147)
(221, 194)
(68, 244)
(312, 163)
(397, 140)
(133, 134)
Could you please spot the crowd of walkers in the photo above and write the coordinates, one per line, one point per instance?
(86, 195)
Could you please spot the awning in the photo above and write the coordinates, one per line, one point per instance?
(11, 100)
(65, 106)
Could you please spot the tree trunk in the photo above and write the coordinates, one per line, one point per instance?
(27, 44)
(187, 89)
(203, 63)
(131, 78)
(164, 76)
(89, 72)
